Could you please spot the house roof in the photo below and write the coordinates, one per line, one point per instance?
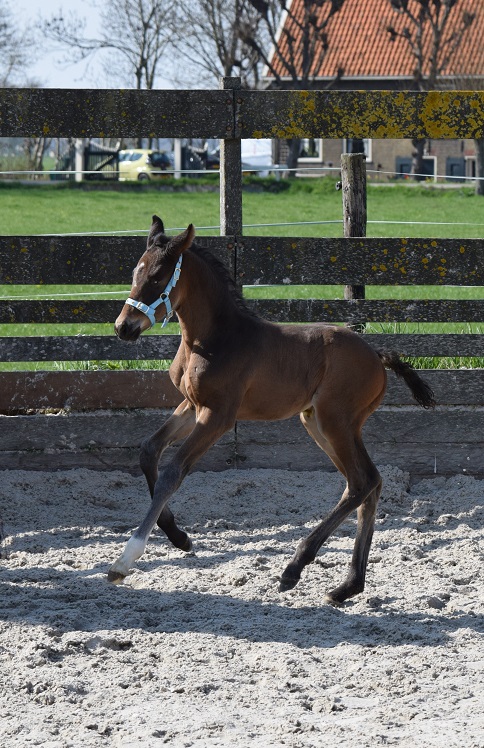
(361, 46)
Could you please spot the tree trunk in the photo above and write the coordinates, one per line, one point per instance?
(293, 155)
(34, 149)
(479, 143)
(417, 159)
(40, 147)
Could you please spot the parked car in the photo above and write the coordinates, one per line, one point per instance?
(143, 164)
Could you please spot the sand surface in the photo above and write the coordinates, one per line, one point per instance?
(201, 649)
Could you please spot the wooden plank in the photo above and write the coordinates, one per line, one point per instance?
(451, 387)
(448, 440)
(421, 461)
(88, 348)
(272, 114)
(50, 311)
(219, 457)
(164, 347)
(273, 260)
(96, 430)
(368, 260)
(430, 461)
(409, 424)
(446, 460)
(421, 344)
(418, 441)
(265, 260)
(354, 311)
(362, 114)
(94, 260)
(277, 310)
(96, 113)
(92, 390)
(86, 390)
(104, 441)
(394, 424)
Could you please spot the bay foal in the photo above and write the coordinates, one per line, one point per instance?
(233, 365)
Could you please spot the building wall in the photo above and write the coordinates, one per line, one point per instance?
(386, 153)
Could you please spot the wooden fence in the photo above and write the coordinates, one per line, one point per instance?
(54, 419)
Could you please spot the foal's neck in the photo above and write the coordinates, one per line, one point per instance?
(208, 302)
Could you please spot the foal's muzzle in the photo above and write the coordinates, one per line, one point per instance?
(128, 330)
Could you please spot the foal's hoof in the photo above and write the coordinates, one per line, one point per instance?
(339, 595)
(187, 546)
(115, 577)
(330, 600)
(288, 582)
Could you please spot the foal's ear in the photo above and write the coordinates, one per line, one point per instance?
(180, 243)
(157, 227)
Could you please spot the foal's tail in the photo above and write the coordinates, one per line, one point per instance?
(420, 389)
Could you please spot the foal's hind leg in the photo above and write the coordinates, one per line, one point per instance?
(347, 451)
(355, 581)
(180, 424)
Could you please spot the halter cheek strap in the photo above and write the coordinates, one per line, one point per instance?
(164, 298)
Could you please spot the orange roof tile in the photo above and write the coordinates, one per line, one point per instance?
(361, 46)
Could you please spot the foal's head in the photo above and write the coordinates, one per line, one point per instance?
(153, 294)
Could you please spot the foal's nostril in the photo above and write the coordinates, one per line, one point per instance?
(127, 330)
(121, 329)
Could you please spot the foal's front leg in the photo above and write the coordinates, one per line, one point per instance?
(209, 428)
(180, 424)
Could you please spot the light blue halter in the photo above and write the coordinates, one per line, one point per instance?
(163, 299)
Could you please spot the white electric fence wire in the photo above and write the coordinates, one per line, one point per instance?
(269, 168)
(131, 232)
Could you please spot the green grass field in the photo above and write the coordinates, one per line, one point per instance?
(401, 210)
(406, 210)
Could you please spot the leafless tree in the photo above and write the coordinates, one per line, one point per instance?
(16, 48)
(298, 43)
(209, 34)
(34, 149)
(434, 31)
(17, 52)
(135, 32)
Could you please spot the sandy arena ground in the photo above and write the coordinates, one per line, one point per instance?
(202, 650)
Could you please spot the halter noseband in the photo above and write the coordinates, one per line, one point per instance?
(164, 298)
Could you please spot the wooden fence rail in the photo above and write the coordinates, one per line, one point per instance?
(234, 113)
(55, 419)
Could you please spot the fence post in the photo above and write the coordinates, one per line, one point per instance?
(79, 166)
(177, 150)
(353, 185)
(230, 169)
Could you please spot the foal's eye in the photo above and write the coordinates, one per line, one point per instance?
(157, 279)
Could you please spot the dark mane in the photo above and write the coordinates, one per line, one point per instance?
(222, 273)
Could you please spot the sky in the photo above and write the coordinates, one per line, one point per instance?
(48, 69)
